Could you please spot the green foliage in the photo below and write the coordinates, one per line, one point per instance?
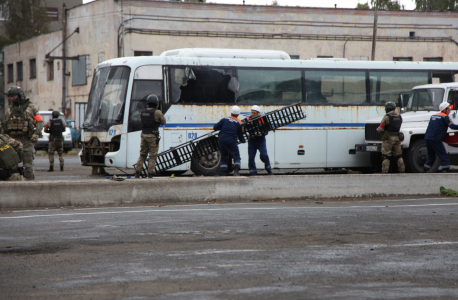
(362, 6)
(387, 4)
(25, 19)
(448, 192)
(274, 2)
(434, 5)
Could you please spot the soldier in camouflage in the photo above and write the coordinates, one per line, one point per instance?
(151, 119)
(391, 138)
(24, 124)
(10, 157)
(55, 127)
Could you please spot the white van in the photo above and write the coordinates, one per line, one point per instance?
(423, 102)
(43, 142)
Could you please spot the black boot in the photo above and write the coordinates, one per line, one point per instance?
(150, 175)
(223, 173)
(236, 172)
(51, 169)
(137, 175)
(61, 168)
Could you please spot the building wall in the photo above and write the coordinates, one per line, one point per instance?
(157, 26)
(45, 94)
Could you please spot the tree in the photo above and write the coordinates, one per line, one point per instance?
(274, 3)
(429, 5)
(24, 19)
(387, 4)
(362, 6)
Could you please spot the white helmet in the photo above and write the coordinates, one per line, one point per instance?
(256, 108)
(235, 110)
(443, 106)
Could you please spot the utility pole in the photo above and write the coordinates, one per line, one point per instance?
(122, 23)
(374, 35)
(64, 63)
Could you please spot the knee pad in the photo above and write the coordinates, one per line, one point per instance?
(385, 157)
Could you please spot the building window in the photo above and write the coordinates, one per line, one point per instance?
(10, 73)
(325, 56)
(88, 66)
(412, 34)
(33, 68)
(20, 76)
(294, 56)
(437, 59)
(1, 62)
(52, 13)
(50, 70)
(143, 53)
(101, 57)
(79, 71)
(402, 59)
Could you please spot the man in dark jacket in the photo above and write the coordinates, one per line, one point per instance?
(257, 143)
(436, 131)
(230, 129)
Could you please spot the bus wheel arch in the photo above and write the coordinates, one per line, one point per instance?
(416, 156)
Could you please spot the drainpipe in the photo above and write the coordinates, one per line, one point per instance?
(64, 62)
(344, 48)
(374, 35)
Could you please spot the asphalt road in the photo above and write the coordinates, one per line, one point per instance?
(384, 249)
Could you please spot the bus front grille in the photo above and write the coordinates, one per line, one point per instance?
(371, 132)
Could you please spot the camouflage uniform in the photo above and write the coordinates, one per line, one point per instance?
(55, 144)
(150, 146)
(391, 145)
(24, 124)
(6, 142)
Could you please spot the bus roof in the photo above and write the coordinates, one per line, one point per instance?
(226, 53)
(135, 62)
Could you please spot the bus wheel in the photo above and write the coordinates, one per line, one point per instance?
(207, 165)
(416, 157)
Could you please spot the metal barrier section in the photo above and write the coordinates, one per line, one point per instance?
(272, 120)
(185, 152)
(208, 143)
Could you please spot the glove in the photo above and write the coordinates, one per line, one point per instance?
(34, 138)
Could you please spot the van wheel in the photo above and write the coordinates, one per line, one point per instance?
(207, 165)
(416, 157)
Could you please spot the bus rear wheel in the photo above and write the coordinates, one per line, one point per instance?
(416, 157)
(207, 165)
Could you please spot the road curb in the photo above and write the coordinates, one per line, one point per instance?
(194, 189)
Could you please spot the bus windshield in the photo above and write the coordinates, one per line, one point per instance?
(95, 96)
(425, 99)
(114, 96)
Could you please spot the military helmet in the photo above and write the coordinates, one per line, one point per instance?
(15, 90)
(55, 114)
(390, 105)
(152, 100)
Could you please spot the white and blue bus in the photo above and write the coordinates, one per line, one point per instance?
(197, 87)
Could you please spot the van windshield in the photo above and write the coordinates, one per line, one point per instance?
(425, 99)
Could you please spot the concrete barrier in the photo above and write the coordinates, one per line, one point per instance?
(199, 189)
